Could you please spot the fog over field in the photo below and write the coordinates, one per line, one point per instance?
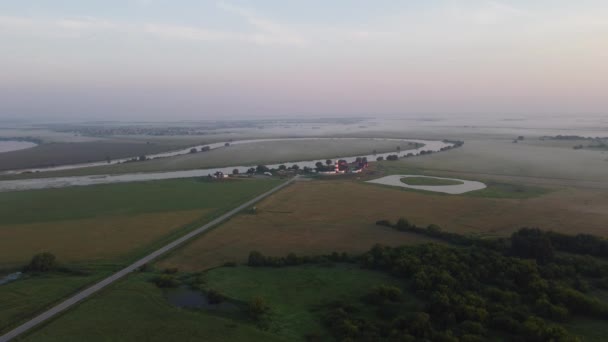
(345, 170)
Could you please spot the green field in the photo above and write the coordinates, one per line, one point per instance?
(505, 162)
(20, 299)
(135, 309)
(126, 198)
(294, 293)
(102, 228)
(96, 221)
(430, 181)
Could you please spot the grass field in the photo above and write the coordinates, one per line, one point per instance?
(61, 153)
(430, 181)
(296, 293)
(136, 310)
(318, 217)
(22, 298)
(108, 222)
(98, 228)
(245, 154)
(505, 162)
(91, 239)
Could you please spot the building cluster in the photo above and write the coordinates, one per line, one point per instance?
(342, 166)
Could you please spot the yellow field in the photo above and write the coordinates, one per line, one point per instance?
(91, 239)
(323, 216)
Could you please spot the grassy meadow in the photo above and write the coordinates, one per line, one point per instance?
(527, 163)
(318, 217)
(135, 309)
(430, 181)
(99, 229)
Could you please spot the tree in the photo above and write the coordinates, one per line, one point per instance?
(193, 150)
(256, 259)
(235, 171)
(402, 223)
(142, 158)
(295, 167)
(261, 169)
(380, 159)
(205, 148)
(328, 162)
(215, 297)
(166, 281)
(532, 243)
(282, 167)
(258, 308)
(226, 144)
(42, 262)
(292, 259)
(319, 165)
(251, 170)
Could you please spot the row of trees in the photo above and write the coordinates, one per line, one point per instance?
(257, 259)
(532, 243)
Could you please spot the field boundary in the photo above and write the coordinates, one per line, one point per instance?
(84, 294)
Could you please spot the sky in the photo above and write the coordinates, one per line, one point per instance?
(187, 59)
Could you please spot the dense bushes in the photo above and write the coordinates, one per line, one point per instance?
(531, 243)
(166, 281)
(471, 290)
(42, 262)
(432, 230)
(520, 288)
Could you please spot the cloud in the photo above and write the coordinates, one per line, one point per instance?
(189, 33)
(265, 32)
(268, 31)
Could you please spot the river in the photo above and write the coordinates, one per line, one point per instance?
(60, 182)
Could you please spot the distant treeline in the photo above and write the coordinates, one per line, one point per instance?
(583, 244)
(572, 137)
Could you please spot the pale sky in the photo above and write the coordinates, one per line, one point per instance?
(186, 59)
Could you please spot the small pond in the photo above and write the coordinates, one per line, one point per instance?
(186, 297)
(10, 277)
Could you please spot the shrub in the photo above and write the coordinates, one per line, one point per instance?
(171, 270)
(42, 262)
(215, 297)
(258, 308)
(256, 259)
(166, 281)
